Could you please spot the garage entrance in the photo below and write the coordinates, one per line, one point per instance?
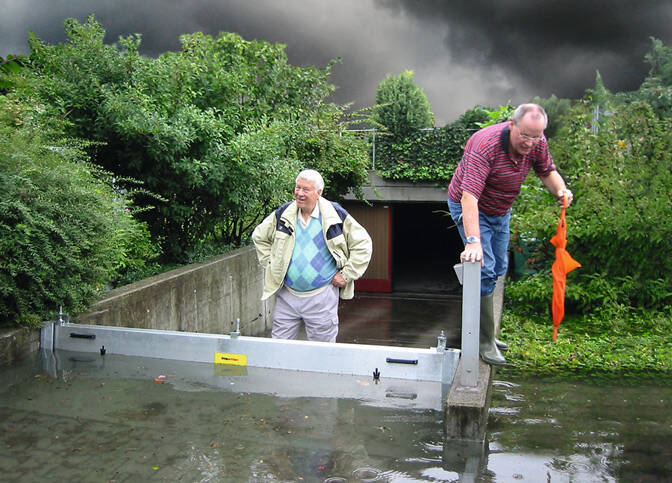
(425, 246)
(415, 246)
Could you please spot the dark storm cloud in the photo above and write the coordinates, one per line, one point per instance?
(315, 32)
(552, 46)
(462, 53)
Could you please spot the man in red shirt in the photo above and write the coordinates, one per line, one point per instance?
(487, 181)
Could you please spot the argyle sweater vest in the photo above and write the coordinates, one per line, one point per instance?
(311, 266)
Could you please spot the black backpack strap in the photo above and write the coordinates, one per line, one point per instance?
(279, 223)
(335, 230)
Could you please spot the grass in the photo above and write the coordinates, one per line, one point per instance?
(615, 345)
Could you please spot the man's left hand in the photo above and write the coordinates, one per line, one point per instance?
(562, 194)
(338, 280)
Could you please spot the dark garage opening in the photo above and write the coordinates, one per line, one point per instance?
(425, 246)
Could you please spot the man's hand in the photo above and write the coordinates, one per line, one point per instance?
(473, 252)
(338, 280)
(561, 197)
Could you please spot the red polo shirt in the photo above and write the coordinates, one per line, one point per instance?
(490, 174)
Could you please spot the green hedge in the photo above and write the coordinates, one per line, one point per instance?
(427, 155)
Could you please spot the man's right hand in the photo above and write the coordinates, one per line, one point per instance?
(473, 252)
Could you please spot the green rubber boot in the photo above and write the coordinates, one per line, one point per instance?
(488, 348)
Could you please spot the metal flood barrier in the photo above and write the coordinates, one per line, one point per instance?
(382, 375)
(391, 372)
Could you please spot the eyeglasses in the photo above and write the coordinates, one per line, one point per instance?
(530, 138)
(525, 137)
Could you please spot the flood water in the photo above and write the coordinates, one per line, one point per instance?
(579, 432)
(94, 418)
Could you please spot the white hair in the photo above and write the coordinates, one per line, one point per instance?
(313, 176)
(523, 109)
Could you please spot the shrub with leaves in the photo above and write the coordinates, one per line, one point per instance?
(64, 231)
(401, 106)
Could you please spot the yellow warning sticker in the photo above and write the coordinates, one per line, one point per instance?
(230, 359)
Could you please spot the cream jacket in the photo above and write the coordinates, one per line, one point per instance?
(348, 242)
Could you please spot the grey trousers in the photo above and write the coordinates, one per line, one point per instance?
(319, 313)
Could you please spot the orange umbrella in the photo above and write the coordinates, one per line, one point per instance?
(563, 264)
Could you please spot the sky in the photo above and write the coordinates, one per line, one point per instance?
(462, 53)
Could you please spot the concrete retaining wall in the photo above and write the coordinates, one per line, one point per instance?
(17, 344)
(206, 297)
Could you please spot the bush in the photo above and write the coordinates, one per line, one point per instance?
(401, 106)
(64, 231)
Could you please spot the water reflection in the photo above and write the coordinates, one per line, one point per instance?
(113, 419)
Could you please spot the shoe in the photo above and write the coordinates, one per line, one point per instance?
(487, 347)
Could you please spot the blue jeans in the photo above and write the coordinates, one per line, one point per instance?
(494, 240)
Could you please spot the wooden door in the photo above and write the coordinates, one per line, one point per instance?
(377, 220)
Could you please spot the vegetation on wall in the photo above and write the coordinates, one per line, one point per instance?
(422, 156)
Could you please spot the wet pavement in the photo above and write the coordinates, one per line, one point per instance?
(400, 319)
(406, 319)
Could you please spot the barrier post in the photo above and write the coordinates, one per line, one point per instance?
(469, 274)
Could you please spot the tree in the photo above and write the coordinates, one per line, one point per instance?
(401, 106)
(599, 94)
(657, 87)
(216, 129)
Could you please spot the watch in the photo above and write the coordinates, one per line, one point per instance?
(473, 239)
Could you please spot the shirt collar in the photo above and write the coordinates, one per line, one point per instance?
(504, 138)
(313, 214)
(316, 211)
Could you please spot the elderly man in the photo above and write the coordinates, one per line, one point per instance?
(312, 250)
(487, 181)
